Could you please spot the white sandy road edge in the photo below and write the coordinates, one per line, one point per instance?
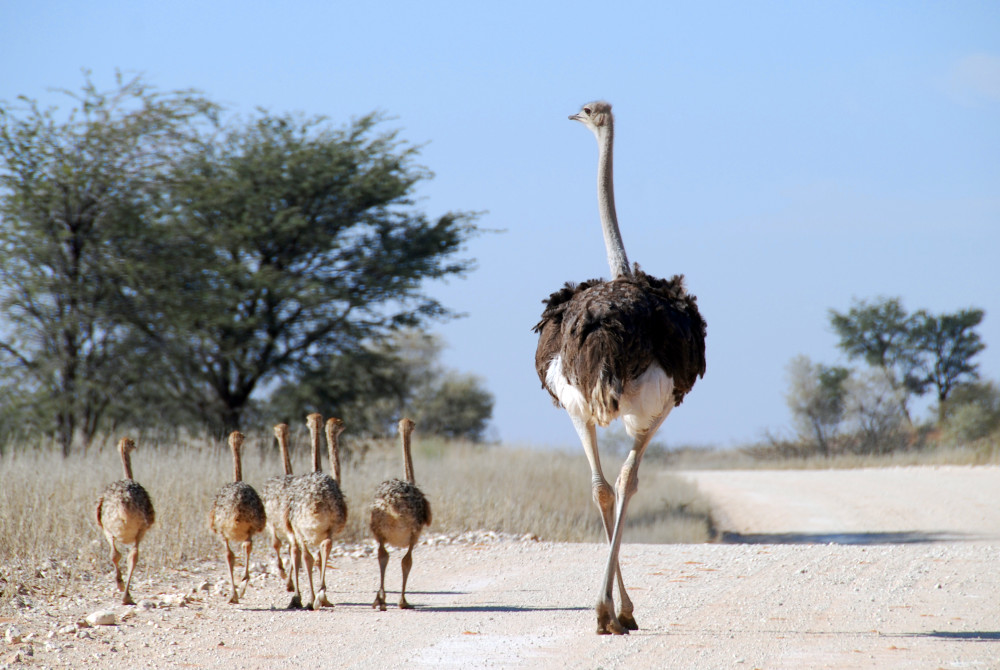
(962, 502)
(914, 604)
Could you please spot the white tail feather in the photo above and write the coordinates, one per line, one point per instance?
(648, 397)
(569, 396)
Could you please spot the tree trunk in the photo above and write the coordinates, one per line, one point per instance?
(65, 427)
(231, 416)
(67, 401)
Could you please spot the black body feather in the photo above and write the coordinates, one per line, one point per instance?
(607, 334)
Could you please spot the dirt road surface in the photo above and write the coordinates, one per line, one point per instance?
(887, 568)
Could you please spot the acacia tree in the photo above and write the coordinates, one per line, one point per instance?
(75, 191)
(914, 352)
(878, 333)
(948, 344)
(301, 243)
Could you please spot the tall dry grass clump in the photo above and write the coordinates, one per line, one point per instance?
(47, 503)
(549, 494)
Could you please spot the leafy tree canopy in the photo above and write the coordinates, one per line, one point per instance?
(75, 188)
(916, 352)
(945, 346)
(301, 243)
(158, 264)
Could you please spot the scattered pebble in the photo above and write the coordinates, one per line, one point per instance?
(102, 618)
(12, 635)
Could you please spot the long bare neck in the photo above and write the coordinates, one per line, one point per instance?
(333, 444)
(286, 461)
(617, 259)
(407, 458)
(237, 465)
(126, 463)
(314, 436)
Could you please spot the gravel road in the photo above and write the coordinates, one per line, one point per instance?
(882, 568)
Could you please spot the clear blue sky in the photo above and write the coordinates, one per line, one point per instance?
(785, 156)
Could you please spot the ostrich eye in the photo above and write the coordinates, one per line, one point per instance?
(586, 110)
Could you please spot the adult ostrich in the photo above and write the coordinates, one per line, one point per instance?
(631, 347)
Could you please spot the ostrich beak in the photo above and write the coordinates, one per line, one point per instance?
(575, 117)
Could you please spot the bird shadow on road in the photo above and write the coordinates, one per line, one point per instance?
(497, 608)
(971, 635)
(417, 607)
(893, 537)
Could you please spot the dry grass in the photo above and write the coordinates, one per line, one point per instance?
(47, 503)
(758, 457)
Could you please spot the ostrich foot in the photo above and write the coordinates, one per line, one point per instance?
(296, 603)
(323, 600)
(627, 621)
(289, 586)
(243, 587)
(235, 599)
(607, 622)
(403, 605)
(379, 602)
(127, 599)
(119, 582)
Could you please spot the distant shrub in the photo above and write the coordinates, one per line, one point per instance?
(972, 413)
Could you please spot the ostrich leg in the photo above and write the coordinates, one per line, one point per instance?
(324, 558)
(309, 561)
(625, 487)
(296, 602)
(406, 564)
(383, 561)
(133, 558)
(116, 557)
(247, 548)
(230, 560)
(604, 497)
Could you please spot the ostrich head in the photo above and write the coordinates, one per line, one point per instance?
(281, 431)
(595, 115)
(334, 427)
(236, 440)
(314, 422)
(126, 446)
(406, 426)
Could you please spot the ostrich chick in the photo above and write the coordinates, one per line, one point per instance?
(237, 515)
(125, 512)
(317, 513)
(399, 513)
(275, 494)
